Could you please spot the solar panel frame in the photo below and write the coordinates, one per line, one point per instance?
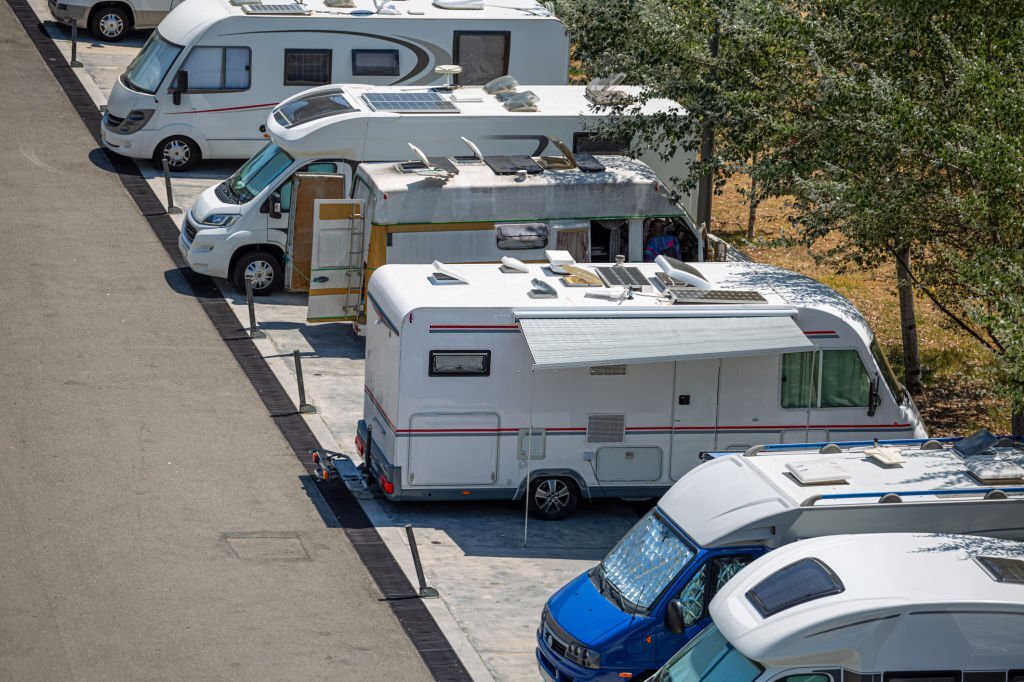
(410, 102)
(284, 8)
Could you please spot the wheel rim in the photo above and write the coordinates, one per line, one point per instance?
(552, 495)
(177, 153)
(111, 25)
(261, 273)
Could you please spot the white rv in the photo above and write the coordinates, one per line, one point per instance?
(334, 129)
(621, 383)
(473, 209)
(205, 80)
(112, 19)
(883, 608)
(657, 581)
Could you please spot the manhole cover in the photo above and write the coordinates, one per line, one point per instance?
(272, 546)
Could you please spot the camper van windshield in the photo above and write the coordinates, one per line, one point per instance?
(644, 562)
(258, 172)
(151, 64)
(709, 658)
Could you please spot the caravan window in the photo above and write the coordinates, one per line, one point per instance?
(460, 363)
(513, 236)
(831, 378)
(307, 67)
(483, 55)
(597, 143)
(374, 62)
(212, 69)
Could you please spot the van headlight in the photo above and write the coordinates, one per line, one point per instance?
(584, 656)
(219, 220)
(132, 123)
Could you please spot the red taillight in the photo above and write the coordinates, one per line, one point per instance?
(387, 486)
(316, 457)
(359, 444)
(326, 474)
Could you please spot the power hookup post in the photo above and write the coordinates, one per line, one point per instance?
(254, 332)
(171, 208)
(74, 64)
(304, 407)
(425, 591)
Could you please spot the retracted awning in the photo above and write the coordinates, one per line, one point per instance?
(558, 342)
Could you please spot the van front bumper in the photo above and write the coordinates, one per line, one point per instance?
(139, 145)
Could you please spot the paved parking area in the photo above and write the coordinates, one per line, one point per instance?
(492, 583)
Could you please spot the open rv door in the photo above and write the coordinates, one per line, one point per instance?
(336, 272)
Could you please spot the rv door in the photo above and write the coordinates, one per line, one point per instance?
(336, 270)
(306, 188)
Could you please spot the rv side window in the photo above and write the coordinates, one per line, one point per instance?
(212, 69)
(513, 236)
(460, 363)
(307, 67)
(935, 676)
(374, 62)
(595, 143)
(831, 378)
(483, 55)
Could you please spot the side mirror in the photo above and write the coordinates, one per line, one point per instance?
(275, 205)
(180, 86)
(874, 399)
(674, 617)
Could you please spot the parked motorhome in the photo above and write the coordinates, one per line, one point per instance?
(204, 82)
(882, 607)
(458, 209)
(332, 130)
(649, 596)
(621, 388)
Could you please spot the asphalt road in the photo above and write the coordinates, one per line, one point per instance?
(153, 521)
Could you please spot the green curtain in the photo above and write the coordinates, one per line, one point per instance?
(799, 379)
(844, 383)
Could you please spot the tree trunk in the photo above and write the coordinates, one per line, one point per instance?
(908, 323)
(752, 214)
(1017, 424)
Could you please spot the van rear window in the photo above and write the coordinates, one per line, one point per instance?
(316, 106)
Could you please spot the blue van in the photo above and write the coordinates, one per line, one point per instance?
(624, 618)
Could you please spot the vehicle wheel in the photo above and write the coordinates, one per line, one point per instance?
(553, 498)
(263, 267)
(110, 23)
(181, 153)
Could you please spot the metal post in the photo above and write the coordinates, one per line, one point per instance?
(254, 333)
(1017, 423)
(425, 592)
(75, 64)
(171, 208)
(304, 407)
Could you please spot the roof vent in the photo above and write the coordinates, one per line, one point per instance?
(798, 583)
(602, 90)
(444, 274)
(886, 455)
(818, 473)
(509, 264)
(501, 85)
(459, 4)
(1002, 569)
(682, 272)
(522, 101)
(995, 468)
(975, 444)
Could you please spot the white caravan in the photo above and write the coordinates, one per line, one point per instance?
(621, 383)
(455, 209)
(655, 585)
(112, 19)
(867, 608)
(332, 130)
(205, 80)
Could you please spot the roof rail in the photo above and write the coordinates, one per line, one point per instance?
(1019, 490)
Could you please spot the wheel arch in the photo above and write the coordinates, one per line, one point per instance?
(249, 248)
(113, 3)
(553, 473)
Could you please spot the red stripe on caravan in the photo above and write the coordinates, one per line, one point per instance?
(214, 111)
(380, 409)
(474, 326)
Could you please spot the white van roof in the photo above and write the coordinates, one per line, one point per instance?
(401, 289)
(737, 499)
(907, 602)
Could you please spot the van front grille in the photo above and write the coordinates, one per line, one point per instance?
(190, 230)
(114, 122)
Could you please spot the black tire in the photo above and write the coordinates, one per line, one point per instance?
(553, 498)
(264, 267)
(110, 23)
(181, 153)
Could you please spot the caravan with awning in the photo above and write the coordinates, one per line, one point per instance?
(567, 381)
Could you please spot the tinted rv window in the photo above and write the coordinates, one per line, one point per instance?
(594, 143)
(374, 62)
(460, 363)
(512, 236)
(483, 55)
(218, 68)
(936, 676)
(307, 67)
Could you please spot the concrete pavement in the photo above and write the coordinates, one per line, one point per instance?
(134, 545)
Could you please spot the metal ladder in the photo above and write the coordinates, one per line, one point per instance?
(356, 266)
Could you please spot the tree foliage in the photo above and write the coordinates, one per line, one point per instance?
(898, 125)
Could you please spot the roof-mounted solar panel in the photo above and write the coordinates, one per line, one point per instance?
(290, 8)
(410, 102)
(511, 165)
(692, 295)
(622, 276)
(588, 164)
(798, 583)
(975, 444)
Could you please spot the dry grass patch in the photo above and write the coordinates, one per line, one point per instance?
(958, 397)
